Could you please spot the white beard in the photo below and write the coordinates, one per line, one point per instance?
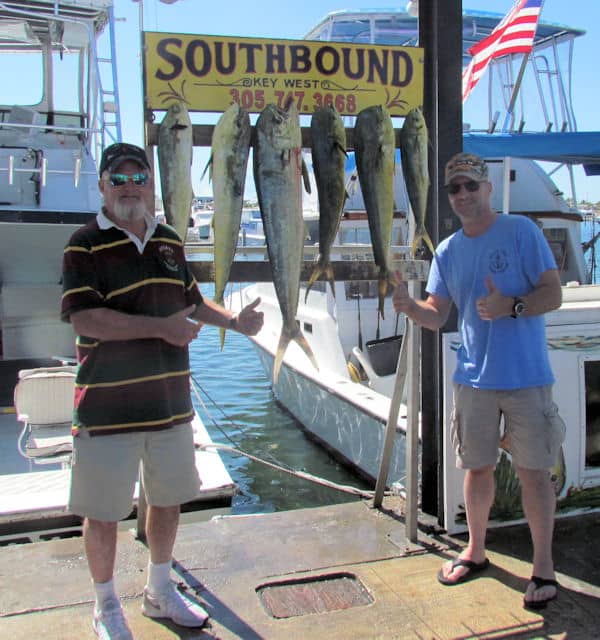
(129, 212)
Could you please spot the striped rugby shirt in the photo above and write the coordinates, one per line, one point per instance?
(128, 385)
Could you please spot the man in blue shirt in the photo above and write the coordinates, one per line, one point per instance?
(500, 273)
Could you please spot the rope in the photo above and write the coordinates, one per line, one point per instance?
(278, 466)
(299, 474)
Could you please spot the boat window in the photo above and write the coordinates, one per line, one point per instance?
(557, 239)
(351, 31)
(355, 235)
(592, 413)
(66, 78)
(14, 68)
(392, 31)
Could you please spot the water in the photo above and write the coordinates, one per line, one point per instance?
(246, 415)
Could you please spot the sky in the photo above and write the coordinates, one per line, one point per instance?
(282, 19)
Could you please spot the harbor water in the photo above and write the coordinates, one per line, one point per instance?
(238, 408)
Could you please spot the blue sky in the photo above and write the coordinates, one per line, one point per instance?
(277, 18)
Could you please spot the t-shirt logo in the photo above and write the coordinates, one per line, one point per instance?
(167, 256)
(498, 261)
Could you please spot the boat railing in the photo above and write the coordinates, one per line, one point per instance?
(102, 108)
(42, 171)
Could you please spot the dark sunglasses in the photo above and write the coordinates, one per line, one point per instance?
(119, 179)
(471, 186)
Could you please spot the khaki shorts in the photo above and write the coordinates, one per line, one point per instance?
(105, 469)
(533, 429)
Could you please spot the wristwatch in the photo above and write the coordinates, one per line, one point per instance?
(518, 308)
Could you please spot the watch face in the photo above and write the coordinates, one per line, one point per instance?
(518, 308)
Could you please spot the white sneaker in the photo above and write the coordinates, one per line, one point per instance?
(110, 624)
(174, 605)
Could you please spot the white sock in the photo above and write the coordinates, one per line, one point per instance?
(159, 577)
(105, 592)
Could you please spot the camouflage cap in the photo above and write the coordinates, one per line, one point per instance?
(468, 165)
(117, 153)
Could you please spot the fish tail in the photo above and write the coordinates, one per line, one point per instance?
(421, 235)
(284, 341)
(218, 299)
(428, 242)
(330, 277)
(321, 268)
(301, 341)
(317, 272)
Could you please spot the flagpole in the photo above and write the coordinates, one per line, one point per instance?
(515, 92)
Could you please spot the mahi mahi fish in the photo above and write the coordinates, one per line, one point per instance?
(374, 145)
(175, 148)
(328, 149)
(413, 149)
(278, 173)
(228, 163)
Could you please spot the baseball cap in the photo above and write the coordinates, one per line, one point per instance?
(468, 165)
(117, 153)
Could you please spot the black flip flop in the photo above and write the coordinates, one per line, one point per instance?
(473, 568)
(539, 583)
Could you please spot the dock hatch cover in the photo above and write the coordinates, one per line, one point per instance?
(314, 594)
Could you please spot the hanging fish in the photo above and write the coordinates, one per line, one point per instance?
(175, 149)
(328, 148)
(374, 144)
(413, 148)
(278, 174)
(228, 163)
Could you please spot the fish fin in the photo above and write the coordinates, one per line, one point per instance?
(305, 177)
(337, 145)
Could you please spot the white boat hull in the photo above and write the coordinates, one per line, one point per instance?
(347, 418)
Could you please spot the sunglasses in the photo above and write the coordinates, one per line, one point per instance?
(119, 179)
(471, 186)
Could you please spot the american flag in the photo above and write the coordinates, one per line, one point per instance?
(514, 34)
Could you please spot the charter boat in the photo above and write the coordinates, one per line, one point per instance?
(345, 404)
(52, 132)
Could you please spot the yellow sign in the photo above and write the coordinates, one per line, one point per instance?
(211, 72)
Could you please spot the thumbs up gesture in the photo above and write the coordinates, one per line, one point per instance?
(494, 305)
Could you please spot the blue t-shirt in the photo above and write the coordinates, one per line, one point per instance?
(506, 353)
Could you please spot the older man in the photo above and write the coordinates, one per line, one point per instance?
(135, 308)
(500, 273)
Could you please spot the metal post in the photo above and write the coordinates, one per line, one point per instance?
(142, 510)
(392, 422)
(412, 424)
